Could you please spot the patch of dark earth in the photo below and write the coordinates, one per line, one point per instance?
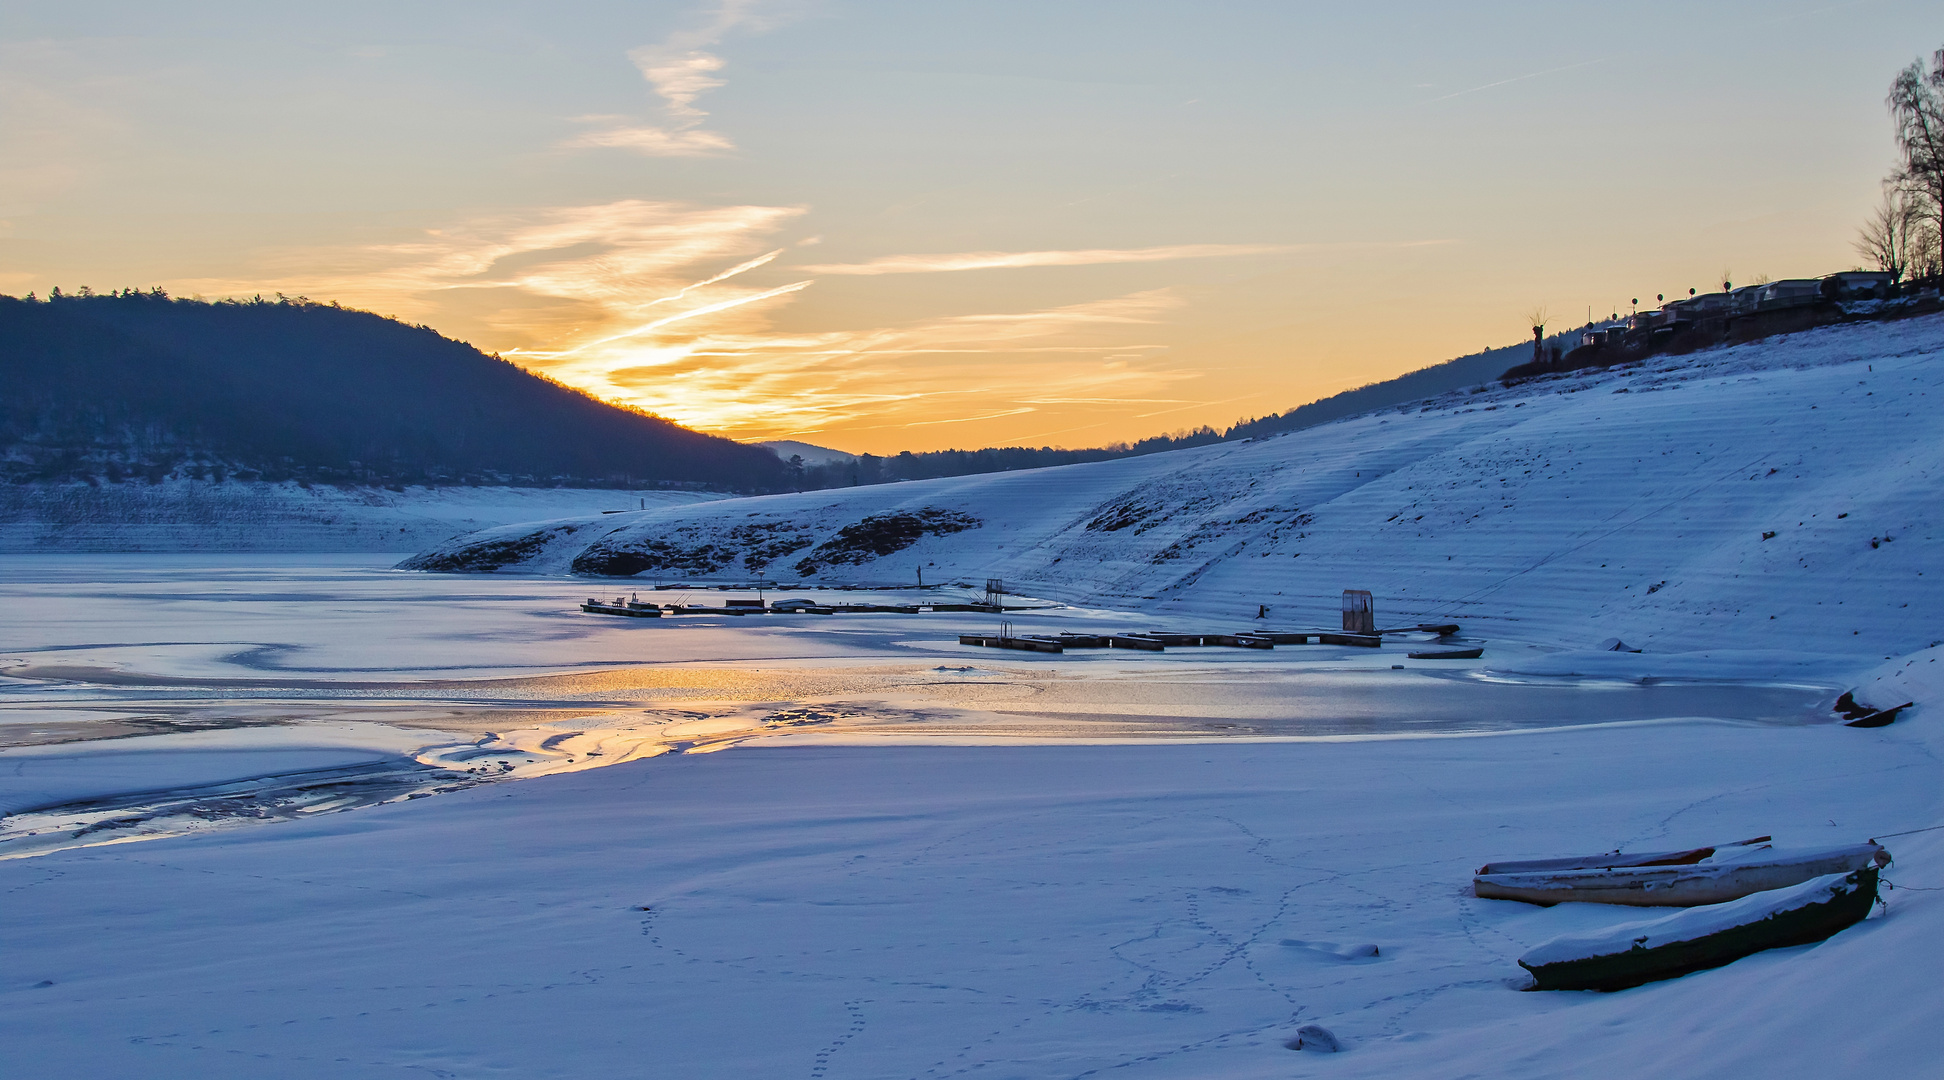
(883, 534)
(685, 550)
(484, 557)
(806, 715)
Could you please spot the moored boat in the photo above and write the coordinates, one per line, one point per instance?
(1670, 879)
(621, 605)
(1702, 937)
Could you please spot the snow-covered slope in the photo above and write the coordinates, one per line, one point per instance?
(1778, 494)
(236, 515)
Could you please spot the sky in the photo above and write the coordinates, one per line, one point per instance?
(896, 226)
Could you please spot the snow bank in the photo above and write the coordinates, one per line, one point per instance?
(1033, 912)
(1916, 678)
(1778, 496)
(181, 515)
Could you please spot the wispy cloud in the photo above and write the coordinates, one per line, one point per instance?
(542, 281)
(680, 75)
(1006, 260)
(759, 380)
(654, 141)
(684, 310)
(680, 69)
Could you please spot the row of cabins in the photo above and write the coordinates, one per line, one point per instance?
(1791, 293)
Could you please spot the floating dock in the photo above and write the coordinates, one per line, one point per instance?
(643, 609)
(1162, 640)
(1025, 644)
(1139, 640)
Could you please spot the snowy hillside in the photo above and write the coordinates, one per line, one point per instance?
(1778, 494)
(237, 515)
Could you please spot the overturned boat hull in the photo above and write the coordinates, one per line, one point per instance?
(1703, 938)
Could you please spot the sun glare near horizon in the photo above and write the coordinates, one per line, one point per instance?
(883, 228)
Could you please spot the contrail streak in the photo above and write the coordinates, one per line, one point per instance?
(724, 276)
(1517, 78)
(706, 309)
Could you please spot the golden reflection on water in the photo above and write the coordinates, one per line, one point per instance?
(726, 681)
(1037, 701)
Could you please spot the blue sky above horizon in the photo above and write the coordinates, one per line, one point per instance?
(889, 226)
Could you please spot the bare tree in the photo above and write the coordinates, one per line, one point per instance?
(1927, 254)
(1537, 318)
(1897, 238)
(1916, 105)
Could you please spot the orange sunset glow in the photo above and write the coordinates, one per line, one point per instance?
(881, 228)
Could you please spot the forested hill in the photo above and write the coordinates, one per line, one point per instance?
(142, 385)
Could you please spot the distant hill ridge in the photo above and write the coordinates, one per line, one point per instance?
(139, 385)
(135, 385)
(1475, 371)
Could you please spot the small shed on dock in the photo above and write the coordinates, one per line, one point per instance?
(1358, 615)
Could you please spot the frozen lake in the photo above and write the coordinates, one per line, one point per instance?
(150, 695)
(915, 858)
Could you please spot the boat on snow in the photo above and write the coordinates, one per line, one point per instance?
(1711, 875)
(1703, 937)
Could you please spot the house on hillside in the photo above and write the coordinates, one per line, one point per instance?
(1738, 315)
(1742, 301)
(1712, 305)
(1601, 333)
(1788, 293)
(1859, 285)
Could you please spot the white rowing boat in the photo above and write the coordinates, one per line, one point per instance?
(1670, 879)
